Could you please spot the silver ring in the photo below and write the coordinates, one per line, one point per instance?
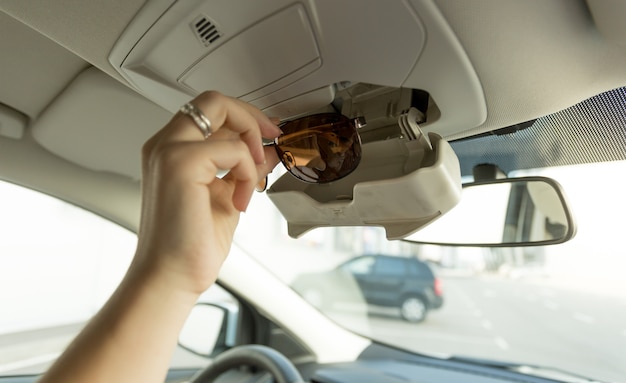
(199, 118)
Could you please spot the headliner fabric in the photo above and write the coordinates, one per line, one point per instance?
(591, 131)
(533, 57)
(89, 29)
(33, 69)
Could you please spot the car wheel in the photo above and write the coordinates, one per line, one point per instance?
(413, 309)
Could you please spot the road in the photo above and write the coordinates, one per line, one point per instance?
(535, 323)
(494, 318)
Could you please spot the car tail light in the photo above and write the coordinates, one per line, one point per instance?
(438, 287)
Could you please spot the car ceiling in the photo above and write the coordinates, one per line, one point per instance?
(533, 58)
(27, 61)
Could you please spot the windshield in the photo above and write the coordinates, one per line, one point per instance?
(562, 306)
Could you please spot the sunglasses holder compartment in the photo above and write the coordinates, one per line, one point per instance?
(399, 185)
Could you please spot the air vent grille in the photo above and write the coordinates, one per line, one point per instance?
(205, 30)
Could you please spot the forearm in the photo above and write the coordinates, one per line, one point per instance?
(133, 336)
(188, 219)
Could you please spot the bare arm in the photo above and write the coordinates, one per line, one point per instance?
(187, 224)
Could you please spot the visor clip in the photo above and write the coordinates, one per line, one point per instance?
(411, 130)
(359, 122)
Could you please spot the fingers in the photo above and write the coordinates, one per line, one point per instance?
(268, 125)
(235, 145)
(200, 162)
(272, 160)
(188, 213)
(237, 116)
(262, 171)
(243, 173)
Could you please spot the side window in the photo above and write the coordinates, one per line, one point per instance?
(360, 266)
(58, 263)
(391, 266)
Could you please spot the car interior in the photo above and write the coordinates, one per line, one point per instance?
(467, 107)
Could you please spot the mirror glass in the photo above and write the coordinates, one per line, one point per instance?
(508, 212)
(203, 328)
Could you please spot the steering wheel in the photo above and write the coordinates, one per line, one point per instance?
(258, 356)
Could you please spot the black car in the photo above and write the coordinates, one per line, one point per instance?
(379, 280)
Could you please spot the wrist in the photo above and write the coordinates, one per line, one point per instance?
(169, 274)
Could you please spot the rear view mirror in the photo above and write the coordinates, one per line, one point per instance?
(526, 211)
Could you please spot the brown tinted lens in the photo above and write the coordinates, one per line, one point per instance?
(320, 148)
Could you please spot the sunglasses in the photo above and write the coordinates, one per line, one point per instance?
(320, 148)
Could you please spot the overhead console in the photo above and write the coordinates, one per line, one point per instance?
(288, 58)
(397, 64)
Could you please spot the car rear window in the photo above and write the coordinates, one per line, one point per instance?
(390, 266)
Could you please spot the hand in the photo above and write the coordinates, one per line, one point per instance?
(188, 218)
(189, 214)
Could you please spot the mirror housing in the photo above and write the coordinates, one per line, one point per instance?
(510, 212)
(209, 329)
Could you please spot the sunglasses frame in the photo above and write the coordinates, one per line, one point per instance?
(355, 123)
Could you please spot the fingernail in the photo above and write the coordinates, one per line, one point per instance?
(276, 122)
(262, 185)
(245, 208)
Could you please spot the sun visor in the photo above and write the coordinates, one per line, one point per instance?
(12, 123)
(95, 111)
(399, 185)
